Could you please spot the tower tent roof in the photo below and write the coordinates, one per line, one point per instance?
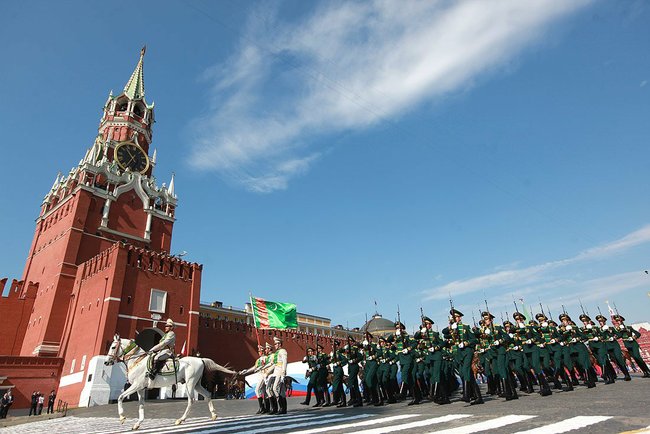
(134, 88)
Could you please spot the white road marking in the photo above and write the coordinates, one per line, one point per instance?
(567, 425)
(417, 424)
(284, 428)
(225, 421)
(487, 425)
(356, 424)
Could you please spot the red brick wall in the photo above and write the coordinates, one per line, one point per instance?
(29, 374)
(15, 309)
(227, 342)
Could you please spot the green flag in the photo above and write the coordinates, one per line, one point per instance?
(274, 315)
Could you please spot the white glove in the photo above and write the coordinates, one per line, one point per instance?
(304, 359)
(497, 342)
(461, 345)
(552, 341)
(630, 339)
(487, 331)
(405, 351)
(332, 354)
(423, 330)
(589, 326)
(454, 326)
(347, 347)
(512, 335)
(544, 324)
(605, 327)
(431, 350)
(365, 343)
(521, 325)
(398, 332)
(621, 327)
(569, 327)
(528, 341)
(596, 338)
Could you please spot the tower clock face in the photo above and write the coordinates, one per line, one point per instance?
(131, 156)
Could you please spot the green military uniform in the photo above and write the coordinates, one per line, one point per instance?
(405, 347)
(433, 359)
(338, 361)
(463, 340)
(576, 349)
(496, 340)
(370, 369)
(385, 357)
(515, 357)
(323, 387)
(354, 357)
(312, 374)
(629, 336)
(609, 338)
(531, 339)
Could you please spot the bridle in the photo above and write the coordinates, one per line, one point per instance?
(122, 354)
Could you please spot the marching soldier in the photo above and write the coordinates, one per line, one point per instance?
(277, 387)
(629, 336)
(386, 359)
(164, 349)
(312, 375)
(530, 338)
(323, 388)
(260, 388)
(598, 350)
(370, 369)
(354, 357)
(612, 348)
(464, 341)
(575, 348)
(338, 360)
(405, 354)
(498, 340)
(438, 392)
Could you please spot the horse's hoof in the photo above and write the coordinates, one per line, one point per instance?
(178, 421)
(214, 417)
(122, 420)
(135, 427)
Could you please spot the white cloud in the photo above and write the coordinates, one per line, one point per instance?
(346, 67)
(537, 276)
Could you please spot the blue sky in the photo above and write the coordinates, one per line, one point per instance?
(336, 153)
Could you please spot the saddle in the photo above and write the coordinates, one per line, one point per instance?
(169, 368)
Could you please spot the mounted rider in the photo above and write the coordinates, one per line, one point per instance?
(163, 350)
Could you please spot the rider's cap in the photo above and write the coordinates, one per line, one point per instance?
(169, 322)
(277, 340)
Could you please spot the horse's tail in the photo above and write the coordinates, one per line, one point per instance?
(212, 373)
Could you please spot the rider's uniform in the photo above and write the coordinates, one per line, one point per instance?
(165, 348)
(276, 380)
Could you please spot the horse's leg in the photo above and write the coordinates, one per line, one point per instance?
(140, 409)
(190, 400)
(208, 397)
(120, 408)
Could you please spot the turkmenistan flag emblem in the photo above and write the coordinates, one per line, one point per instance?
(274, 315)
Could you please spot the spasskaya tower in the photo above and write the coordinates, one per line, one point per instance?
(100, 255)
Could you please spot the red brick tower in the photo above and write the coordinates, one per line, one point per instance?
(100, 253)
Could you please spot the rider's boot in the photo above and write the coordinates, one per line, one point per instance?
(308, 396)
(478, 399)
(267, 405)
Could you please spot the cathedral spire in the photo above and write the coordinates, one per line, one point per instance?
(134, 88)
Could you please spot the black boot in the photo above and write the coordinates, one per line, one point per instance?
(358, 401)
(443, 395)
(274, 405)
(308, 396)
(260, 401)
(478, 399)
(513, 387)
(267, 406)
(567, 380)
(544, 388)
(591, 377)
(415, 393)
(282, 401)
(319, 398)
(505, 385)
(342, 400)
(326, 392)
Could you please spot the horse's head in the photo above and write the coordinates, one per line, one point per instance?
(115, 350)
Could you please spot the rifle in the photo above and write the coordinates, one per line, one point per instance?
(399, 320)
(550, 315)
(515, 303)
(487, 309)
(581, 307)
(599, 312)
(421, 316)
(616, 309)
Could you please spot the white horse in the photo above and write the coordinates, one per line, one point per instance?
(191, 370)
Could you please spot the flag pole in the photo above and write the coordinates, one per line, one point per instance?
(257, 333)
